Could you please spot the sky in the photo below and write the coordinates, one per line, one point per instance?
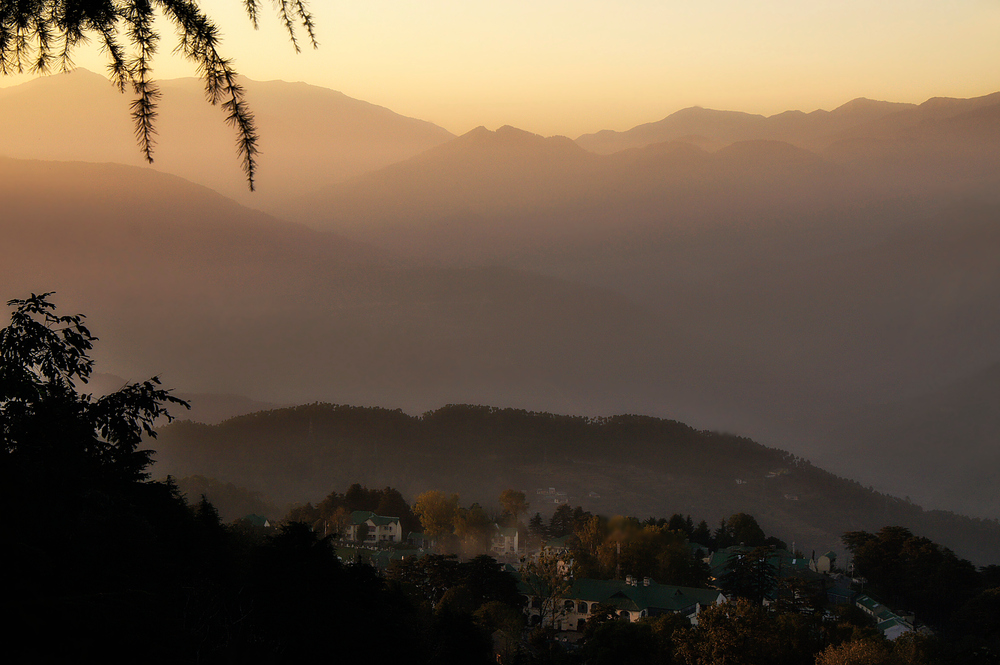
(576, 66)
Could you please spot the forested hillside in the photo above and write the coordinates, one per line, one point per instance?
(625, 464)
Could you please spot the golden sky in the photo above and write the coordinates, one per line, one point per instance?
(576, 66)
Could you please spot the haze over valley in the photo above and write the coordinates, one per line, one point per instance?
(825, 283)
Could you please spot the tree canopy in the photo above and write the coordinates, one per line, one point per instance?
(37, 35)
(49, 429)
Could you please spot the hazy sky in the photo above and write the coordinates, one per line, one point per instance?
(575, 66)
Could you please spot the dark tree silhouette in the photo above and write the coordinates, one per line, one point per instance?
(50, 431)
(751, 575)
(37, 34)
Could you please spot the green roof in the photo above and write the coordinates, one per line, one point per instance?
(655, 597)
(382, 520)
(256, 520)
(509, 531)
(868, 603)
(362, 516)
(890, 623)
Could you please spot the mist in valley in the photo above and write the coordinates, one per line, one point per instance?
(824, 283)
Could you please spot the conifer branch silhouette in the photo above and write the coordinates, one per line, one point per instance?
(36, 33)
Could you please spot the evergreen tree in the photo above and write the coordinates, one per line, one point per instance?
(537, 527)
(702, 535)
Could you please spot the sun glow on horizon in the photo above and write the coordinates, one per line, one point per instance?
(569, 68)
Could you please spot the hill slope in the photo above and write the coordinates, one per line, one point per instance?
(713, 128)
(178, 280)
(623, 464)
(309, 136)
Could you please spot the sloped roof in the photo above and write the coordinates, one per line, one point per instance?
(641, 597)
(362, 516)
(867, 602)
(256, 520)
(895, 621)
(382, 520)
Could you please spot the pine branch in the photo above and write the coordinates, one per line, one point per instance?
(35, 33)
(307, 21)
(199, 38)
(286, 12)
(253, 11)
(139, 17)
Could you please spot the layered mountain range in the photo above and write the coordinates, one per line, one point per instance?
(812, 280)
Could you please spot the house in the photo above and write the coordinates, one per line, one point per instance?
(823, 564)
(632, 599)
(381, 529)
(257, 521)
(504, 541)
(890, 624)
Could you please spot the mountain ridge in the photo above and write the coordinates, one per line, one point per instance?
(308, 135)
(637, 465)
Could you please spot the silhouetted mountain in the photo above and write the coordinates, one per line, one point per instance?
(309, 136)
(944, 147)
(788, 288)
(720, 128)
(491, 196)
(205, 407)
(627, 464)
(218, 298)
(760, 288)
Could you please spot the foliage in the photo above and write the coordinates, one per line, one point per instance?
(622, 546)
(436, 512)
(50, 430)
(547, 576)
(751, 575)
(614, 642)
(331, 516)
(861, 652)
(913, 571)
(561, 523)
(473, 450)
(743, 529)
(513, 503)
(474, 528)
(536, 527)
(429, 578)
(231, 501)
(734, 633)
(36, 35)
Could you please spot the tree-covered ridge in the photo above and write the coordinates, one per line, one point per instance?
(128, 570)
(132, 571)
(634, 465)
(232, 502)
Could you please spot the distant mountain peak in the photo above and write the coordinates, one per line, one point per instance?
(508, 137)
(864, 105)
